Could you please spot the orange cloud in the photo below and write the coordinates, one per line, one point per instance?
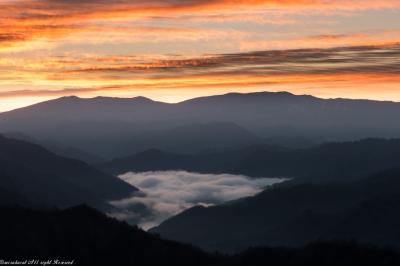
(377, 37)
(28, 20)
(360, 66)
(26, 23)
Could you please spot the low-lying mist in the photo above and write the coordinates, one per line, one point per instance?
(167, 193)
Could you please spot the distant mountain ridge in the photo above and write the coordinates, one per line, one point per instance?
(323, 163)
(193, 138)
(104, 125)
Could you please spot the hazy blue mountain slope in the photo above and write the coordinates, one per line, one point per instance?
(46, 179)
(105, 125)
(69, 152)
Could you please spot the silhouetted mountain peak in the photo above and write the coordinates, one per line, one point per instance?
(70, 98)
(253, 96)
(62, 100)
(142, 99)
(96, 100)
(104, 99)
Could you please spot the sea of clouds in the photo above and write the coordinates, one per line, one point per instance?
(167, 193)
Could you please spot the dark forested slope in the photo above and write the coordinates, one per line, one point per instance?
(292, 215)
(83, 236)
(45, 179)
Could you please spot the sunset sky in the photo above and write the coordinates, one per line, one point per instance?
(173, 50)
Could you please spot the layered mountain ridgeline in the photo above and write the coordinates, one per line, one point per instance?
(37, 177)
(333, 161)
(292, 215)
(208, 137)
(83, 236)
(193, 138)
(69, 152)
(187, 139)
(104, 126)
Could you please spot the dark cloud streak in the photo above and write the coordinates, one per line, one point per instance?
(362, 59)
(356, 64)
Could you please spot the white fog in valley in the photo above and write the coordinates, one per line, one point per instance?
(167, 193)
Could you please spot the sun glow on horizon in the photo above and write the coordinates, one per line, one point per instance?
(176, 50)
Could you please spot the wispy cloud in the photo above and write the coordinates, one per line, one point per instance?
(327, 40)
(51, 48)
(94, 74)
(28, 20)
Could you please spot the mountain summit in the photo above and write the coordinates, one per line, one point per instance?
(105, 125)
